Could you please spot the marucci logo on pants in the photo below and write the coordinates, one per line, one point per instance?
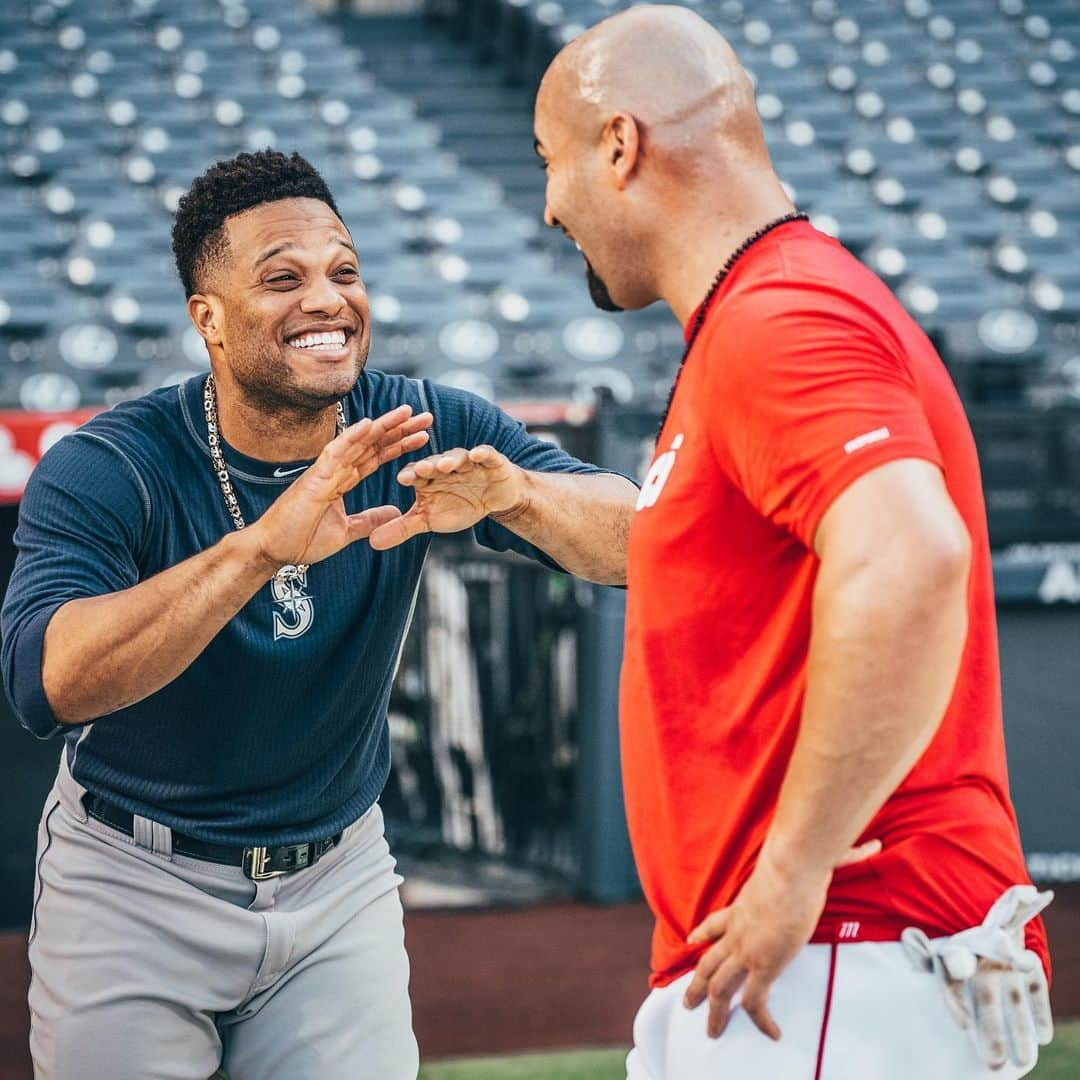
(658, 475)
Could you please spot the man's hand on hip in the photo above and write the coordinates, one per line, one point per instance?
(756, 937)
(454, 491)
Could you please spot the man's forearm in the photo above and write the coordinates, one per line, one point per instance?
(103, 653)
(884, 656)
(581, 521)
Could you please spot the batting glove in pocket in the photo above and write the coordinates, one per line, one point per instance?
(993, 986)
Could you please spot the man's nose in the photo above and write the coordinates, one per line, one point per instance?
(550, 220)
(322, 296)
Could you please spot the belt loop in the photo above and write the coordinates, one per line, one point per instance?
(142, 832)
(162, 837)
(152, 836)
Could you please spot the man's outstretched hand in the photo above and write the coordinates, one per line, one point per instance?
(309, 522)
(454, 491)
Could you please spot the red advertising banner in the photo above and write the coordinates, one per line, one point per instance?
(24, 438)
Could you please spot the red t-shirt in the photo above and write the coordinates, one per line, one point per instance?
(806, 374)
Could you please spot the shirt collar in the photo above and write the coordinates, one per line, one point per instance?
(241, 465)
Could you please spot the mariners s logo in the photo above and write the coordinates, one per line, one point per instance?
(297, 612)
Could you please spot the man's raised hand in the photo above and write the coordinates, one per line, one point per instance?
(454, 491)
(309, 521)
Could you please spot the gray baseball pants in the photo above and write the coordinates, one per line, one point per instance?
(148, 966)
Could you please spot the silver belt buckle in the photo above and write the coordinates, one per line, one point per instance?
(254, 864)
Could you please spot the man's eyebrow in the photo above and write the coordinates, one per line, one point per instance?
(272, 252)
(290, 247)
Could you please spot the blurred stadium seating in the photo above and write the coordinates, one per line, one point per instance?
(938, 140)
(107, 111)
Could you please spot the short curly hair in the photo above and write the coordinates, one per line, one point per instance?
(230, 187)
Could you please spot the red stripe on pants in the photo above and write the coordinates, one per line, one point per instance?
(825, 1014)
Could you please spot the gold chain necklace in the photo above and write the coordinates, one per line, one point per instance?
(213, 438)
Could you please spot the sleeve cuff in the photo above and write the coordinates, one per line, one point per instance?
(27, 692)
(850, 469)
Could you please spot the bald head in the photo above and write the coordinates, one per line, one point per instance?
(667, 68)
(654, 153)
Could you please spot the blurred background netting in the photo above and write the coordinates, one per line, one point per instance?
(939, 140)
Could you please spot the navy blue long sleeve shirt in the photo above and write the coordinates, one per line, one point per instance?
(277, 732)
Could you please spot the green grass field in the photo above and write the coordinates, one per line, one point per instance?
(1060, 1061)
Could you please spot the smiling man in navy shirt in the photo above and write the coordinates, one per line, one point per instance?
(212, 588)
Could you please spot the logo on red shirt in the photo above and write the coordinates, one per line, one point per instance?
(658, 475)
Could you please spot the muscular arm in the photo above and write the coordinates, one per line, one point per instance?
(889, 623)
(581, 521)
(136, 641)
(102, 653)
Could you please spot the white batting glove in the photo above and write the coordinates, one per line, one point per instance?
(990, 981)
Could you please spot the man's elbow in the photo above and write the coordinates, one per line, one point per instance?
(61, 697)
(944, 557)
(921, 572)
(930, 598)
(64, 678)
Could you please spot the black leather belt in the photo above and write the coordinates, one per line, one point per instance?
(258, 863)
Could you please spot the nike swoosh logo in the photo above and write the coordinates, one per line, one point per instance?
(288, 472)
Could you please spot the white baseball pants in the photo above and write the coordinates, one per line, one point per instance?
(850, 1011)
(146, 967)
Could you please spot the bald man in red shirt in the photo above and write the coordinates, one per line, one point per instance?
(813, 755)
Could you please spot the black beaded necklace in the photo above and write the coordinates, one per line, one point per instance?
(722, 273)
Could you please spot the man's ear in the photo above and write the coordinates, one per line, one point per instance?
(205, 314)
(622, 145)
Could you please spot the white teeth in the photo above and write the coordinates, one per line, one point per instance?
(330, 339)
(577, 245)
